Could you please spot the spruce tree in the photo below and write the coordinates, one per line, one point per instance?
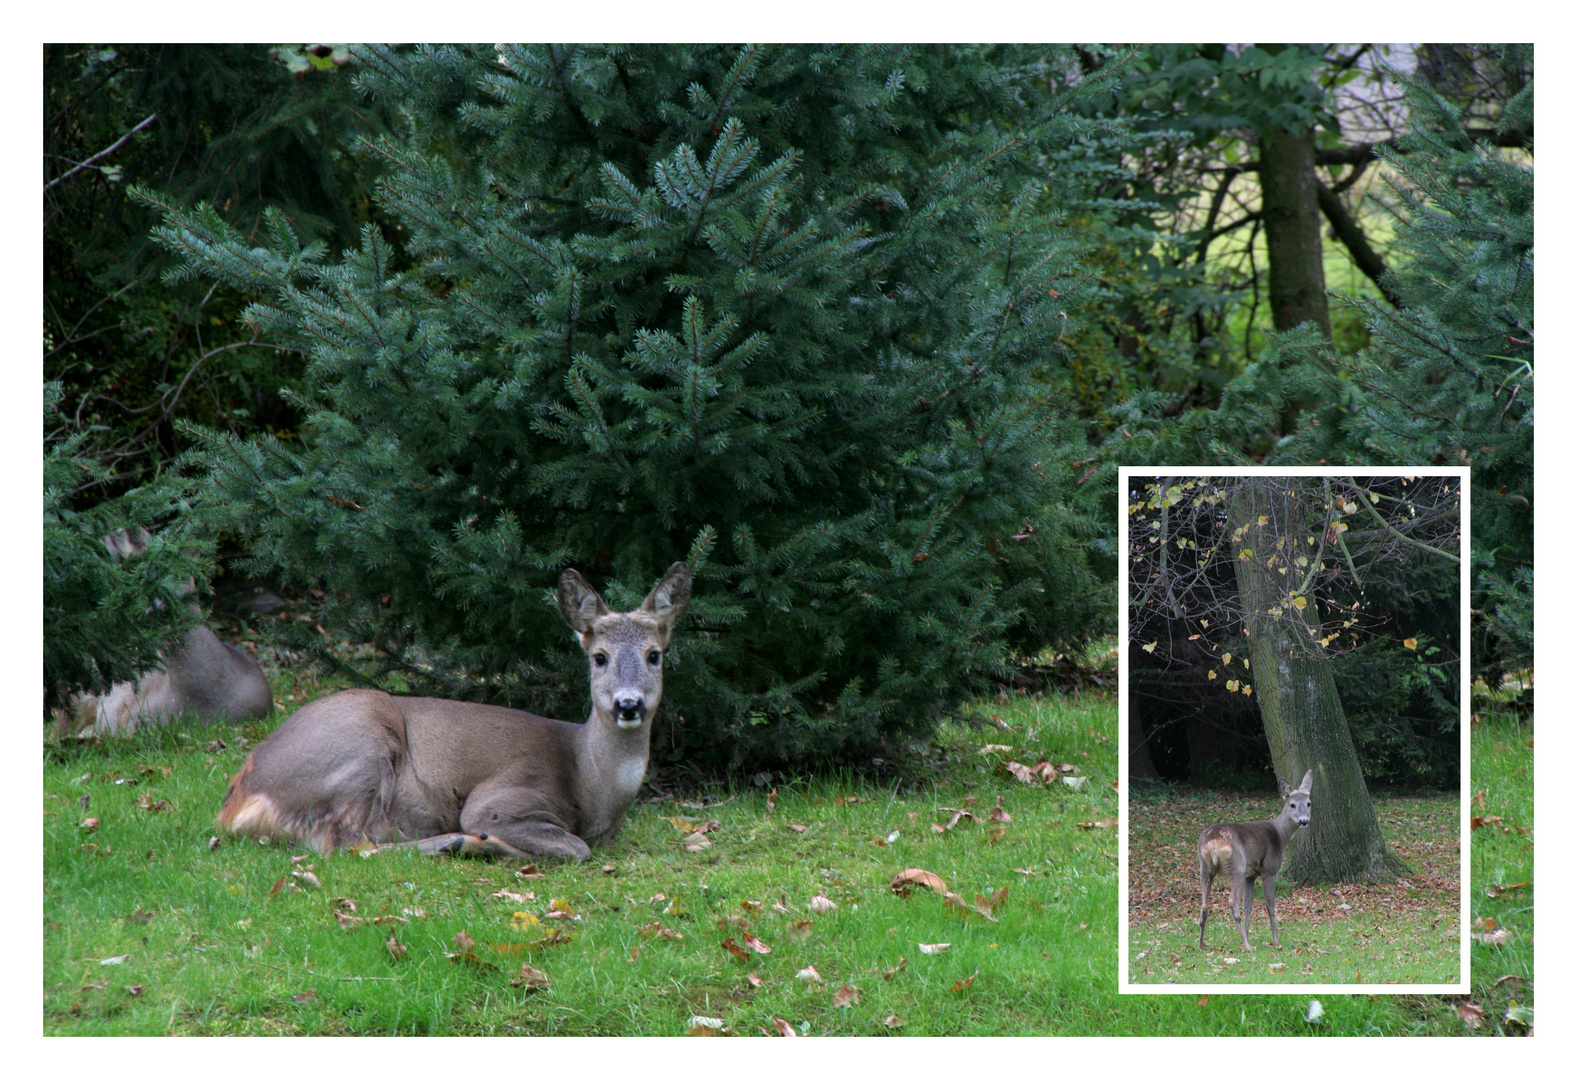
(773, 310)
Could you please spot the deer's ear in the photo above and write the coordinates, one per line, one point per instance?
(669, 600)
(1308, 781)
(579, 603)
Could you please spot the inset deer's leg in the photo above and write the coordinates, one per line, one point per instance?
(1270, 905)
(1205, 877)
(1247, 908)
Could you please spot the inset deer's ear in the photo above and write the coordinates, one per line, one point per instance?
(579, 603)
(669, 600)
(1308, 781)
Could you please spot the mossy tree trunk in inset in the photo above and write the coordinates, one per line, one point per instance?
(1295, 686)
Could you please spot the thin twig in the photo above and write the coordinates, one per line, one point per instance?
(102, 153)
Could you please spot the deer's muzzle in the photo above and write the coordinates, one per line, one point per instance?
(629, 712)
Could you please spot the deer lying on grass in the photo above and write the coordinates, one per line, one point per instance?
(202, 677)
(454, 777)
(1250, 850)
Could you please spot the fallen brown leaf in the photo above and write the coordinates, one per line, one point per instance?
(846, 996)
(395, 947)
(964, 984)
(907, 880)
(530, 979)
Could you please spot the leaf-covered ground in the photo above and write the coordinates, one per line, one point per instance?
(1406, 931)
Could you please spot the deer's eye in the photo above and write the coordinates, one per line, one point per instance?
(654, 658)
(600, 659)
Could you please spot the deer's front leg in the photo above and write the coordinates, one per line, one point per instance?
(1270, 906)
(515, 819)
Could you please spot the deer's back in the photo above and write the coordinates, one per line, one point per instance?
(367, 763)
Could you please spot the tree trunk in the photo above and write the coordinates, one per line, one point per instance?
(1140, 766)
(1295, 686)
(1289, 201)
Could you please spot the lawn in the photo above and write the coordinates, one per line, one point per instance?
(772, 909)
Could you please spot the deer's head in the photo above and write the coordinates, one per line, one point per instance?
(625, 649)
(1295, 802)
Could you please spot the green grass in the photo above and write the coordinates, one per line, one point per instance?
(231, 940)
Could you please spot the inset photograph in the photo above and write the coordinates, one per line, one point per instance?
(1293, 734)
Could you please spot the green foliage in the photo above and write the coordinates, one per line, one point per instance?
(773, 310)
(1448, 378)
(229, 124)
(105, 621)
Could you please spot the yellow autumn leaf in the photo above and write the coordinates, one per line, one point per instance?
(1232, 686)
(523, 920)
(1226, 658)
(1150, 648)
(1410, 643)
(1300, 602)
(1248, 691)
(1210, 674)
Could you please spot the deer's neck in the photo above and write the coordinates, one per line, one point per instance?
(1284, 825)
(611, 765)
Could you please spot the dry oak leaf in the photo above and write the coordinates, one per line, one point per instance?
(396, 948)
(705, 1025)
(733, 948)
(941, 946)
(892, 1021)
(1000, 815)
(907, 880)
(783, 1027)
(964, 984)
(808, 975)
(821, 904)
(752, 942)
(530, 979)
(1104, 823)
(846, 996)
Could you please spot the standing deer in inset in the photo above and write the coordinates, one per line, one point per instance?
(455, 777)
(201, 677)
(1250, 850)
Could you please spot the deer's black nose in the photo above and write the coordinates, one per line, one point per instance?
(629, 708)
